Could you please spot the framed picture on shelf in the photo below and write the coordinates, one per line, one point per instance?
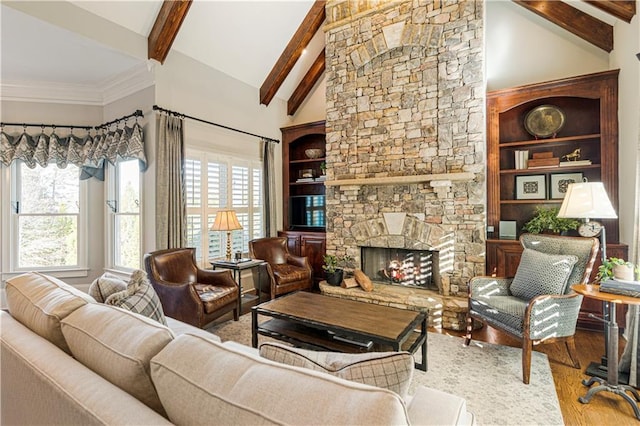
(560, 182)
(531, 187)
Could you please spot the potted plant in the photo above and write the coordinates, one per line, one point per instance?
(323, 168)
(620, 269)
(334, 267)
(546, 220)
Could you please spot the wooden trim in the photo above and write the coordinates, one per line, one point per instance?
(166, 28)
(573, 20)
(292, 52)
(307, 83)
(621, 9)
(402, 180)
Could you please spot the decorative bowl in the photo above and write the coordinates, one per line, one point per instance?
(313, 153)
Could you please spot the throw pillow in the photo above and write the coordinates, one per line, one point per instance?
(389, 370)
(540, 273)
(103, 287)
(139, 297)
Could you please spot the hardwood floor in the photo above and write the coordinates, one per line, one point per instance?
(604, 409)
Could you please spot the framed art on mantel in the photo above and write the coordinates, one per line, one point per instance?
(531, 187)
(560, 182)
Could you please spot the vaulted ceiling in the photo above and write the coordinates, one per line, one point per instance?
(230, 36)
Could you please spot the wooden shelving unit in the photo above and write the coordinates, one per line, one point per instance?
(590, 105)
(295, 141)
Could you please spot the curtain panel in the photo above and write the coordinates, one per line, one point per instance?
(89, 152)
(171, 215)
(269, 189)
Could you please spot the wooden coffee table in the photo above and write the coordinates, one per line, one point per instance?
(314, 321)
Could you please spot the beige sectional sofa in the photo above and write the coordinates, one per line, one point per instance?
(66, 359)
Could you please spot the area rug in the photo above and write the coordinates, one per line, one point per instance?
(488, 376)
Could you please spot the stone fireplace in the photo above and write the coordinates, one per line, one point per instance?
(405, 132)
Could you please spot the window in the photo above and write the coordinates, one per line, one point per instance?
(124, 216)
(215, 182)
(48, 216)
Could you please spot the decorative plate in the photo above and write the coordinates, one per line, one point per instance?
(544, 121)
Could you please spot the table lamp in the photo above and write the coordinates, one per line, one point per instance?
(226, 220)
(588, 200)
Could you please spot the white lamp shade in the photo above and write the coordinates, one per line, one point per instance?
(226, 220)
(587, 200)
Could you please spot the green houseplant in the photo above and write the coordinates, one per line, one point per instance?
(614, 267)
(546, 220)
(334, 267)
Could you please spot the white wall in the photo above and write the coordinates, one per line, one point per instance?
(627, 44)
(523, 48)
(189, 87)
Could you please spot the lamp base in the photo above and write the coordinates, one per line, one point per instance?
(228, 246)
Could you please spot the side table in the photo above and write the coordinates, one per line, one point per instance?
(611, 383)
(237, 267)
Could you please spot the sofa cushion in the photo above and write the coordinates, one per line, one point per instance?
(40, 302)
(199, 380)
(389, 370)
(447, 409)
(540, 273)
(139, 297)
(118, 345)
(105, 285)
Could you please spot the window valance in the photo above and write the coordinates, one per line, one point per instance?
(89, 152)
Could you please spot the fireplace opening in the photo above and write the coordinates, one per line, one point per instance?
(402, 267)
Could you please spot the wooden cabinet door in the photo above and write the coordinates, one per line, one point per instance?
(314, 248)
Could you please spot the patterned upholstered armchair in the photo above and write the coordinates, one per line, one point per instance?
(537, 305)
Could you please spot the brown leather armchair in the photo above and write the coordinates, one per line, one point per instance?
(286, 272)
(188, 293)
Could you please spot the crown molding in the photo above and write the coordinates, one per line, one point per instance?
(131, 81)
(47, 92)
(112, 89)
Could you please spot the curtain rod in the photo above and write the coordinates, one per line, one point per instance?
(137, 113)
(156, 107)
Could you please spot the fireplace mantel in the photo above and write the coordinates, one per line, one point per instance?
(402, 180)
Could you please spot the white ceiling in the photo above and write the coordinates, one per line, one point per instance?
(241, 38)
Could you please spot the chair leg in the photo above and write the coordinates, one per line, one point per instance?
(570, 342)
(467, 338)
(527, 347)
(236, 314)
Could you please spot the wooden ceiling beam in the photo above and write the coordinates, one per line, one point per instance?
(573, 20)
(166, 28)
(307, 83)
(292, 52)
(620, 9)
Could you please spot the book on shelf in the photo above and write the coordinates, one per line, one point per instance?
(575, 163)
(321, 178)
(521, 157)
(543, 162)
(302, 180)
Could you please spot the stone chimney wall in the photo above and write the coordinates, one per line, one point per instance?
(405, 97)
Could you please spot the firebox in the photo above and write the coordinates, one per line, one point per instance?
(403, 267)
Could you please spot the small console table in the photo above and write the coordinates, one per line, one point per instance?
(611, 383)
(237, 267)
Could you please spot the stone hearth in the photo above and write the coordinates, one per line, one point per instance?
(447, 312)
